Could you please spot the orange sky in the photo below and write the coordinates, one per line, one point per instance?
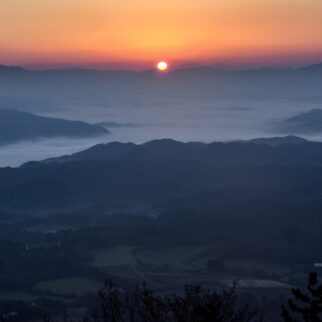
(137, 33)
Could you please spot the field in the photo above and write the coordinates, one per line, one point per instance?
(170, 268)
(17, 296)
(164, 269)
(115, 256)
(68, 287)
(177, 257)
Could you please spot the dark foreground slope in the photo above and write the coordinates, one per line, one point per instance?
(246, 211)
(17, 126)
(220, 193)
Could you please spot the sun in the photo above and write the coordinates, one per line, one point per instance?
(162, 66)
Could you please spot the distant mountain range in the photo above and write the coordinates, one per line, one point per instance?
(303, 123)
(186, 70)
(16, 126)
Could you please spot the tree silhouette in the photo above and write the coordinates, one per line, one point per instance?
(308, 306)
(110, 303)
(143, 305)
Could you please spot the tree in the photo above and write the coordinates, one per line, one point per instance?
(202, 305)
(110, 304)
(308, 306)
(143, 305)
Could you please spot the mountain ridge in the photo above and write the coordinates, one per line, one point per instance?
(303, 123)
(161, 173)
(20, 126)
(167, 147)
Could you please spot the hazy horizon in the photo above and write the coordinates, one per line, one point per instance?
(294, 62)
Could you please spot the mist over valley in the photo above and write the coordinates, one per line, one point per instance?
(195, 104)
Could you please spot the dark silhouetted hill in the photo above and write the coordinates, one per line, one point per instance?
(17, 126)
(309, 123)
(164, 173)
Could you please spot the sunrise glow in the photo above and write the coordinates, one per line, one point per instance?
(134, 33)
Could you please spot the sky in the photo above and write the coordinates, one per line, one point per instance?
(138, 33)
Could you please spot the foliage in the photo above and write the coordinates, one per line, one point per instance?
(143, 305)
(306, 305)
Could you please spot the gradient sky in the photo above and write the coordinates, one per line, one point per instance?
(138, 33)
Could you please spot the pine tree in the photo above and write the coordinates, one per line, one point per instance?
(307, 306)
